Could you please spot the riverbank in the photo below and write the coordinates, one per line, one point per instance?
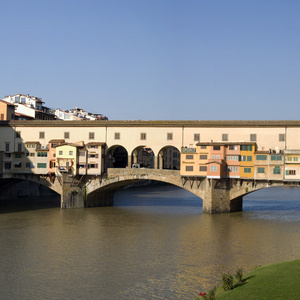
(275, 281)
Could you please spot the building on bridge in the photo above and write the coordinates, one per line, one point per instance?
(239, 160)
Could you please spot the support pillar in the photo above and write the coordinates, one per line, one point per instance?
(129, 165)
(218, 198)
(71, 197)
(155, 162)
(161, 162)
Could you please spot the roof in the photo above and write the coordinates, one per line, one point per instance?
(95, 144)
(32, 143)
(57, 141)
(7, 103)
(155, 123)
(70, 144)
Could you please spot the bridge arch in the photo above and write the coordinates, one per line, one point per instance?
(169, 158)
(9, 180)
(143, 156)
(116, 157)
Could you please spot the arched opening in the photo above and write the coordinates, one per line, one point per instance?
(117, 157)
(143, 157)
(156, 193)
(18, 195)
(169, 158)
(280, 198)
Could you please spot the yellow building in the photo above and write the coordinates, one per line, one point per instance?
(188, 162)
(247, 160)
(66, 158)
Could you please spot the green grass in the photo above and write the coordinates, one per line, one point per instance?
(276, 281)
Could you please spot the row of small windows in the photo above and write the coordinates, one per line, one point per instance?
(260, 170)
(242, 157)
(117, 135)
(225, 136)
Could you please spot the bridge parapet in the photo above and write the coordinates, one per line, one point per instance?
(112, 172)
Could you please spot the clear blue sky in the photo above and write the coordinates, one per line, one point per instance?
(155, 59)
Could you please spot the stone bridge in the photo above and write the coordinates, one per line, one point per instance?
(218, 195)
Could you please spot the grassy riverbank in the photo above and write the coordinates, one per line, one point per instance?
(276, 281)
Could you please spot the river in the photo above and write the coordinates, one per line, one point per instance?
(155, 243)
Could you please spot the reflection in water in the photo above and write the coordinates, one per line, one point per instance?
(155, 244)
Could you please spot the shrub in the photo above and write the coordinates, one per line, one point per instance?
(239, 275)
(227, 281)
(211, 295)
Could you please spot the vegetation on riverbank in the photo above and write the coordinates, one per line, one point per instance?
(276, 281)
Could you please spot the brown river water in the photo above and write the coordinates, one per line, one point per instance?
(155, 243)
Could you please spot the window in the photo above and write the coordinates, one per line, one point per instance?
(6, 147)
(52, 164)
(203, 156)
(203, 147)
(225, 137)
(218, 157)
(81, 153)
(232, 147)
(189, 156)
(212, 157)
(18, 155)
(117, 135)
(60, 153)
(243, 158)
(42, 154)
(189, 168)
(253, 137)
(143, 136)
(246, 147)
(7, 165)
(213, 168)
(249, 158)
(281, 137)
(91, 135)
(169, 136)
(247, 170)
(93, 166)
(276, 170)
(233, 169)
(290, 172)
(203, 168)
(289, 158)
(19, 147)
(233, 157)
(295, 158)
(276, 157)
(261, 157)
(260, 170)
(32, 154)
(70, 152)
(42, 134)
(29, 165)
(216, 148)
(19, 165)
(42, 165)
(67, 135)
(18, 134)
(197, 137)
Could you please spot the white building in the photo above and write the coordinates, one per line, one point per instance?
(29, 107)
